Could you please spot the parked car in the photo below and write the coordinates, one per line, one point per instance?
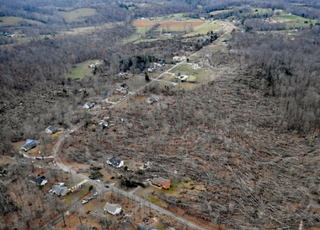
(107, 186)
(84, 201)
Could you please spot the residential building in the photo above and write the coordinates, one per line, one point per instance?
(105, 95)
(88, 105)
(161, 182)
(59, 189)
(51, 130)
(30, 144)
(115, 162)
(113, 209)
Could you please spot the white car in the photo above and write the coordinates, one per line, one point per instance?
(98, 180)
(84, 201)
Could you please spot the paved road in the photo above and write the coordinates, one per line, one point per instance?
(117, 190)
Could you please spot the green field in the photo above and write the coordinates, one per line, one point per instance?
(81, 70)
(293, 20)
(77, 15)
(16, 21)
(203, 29)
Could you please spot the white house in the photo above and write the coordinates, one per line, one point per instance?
(88, 105)
(113, 209)
(51, 130)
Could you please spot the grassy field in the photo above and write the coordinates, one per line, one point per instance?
(77, 15)
(218, 12)
(87, 29)
(16, 21)
(293, 20)
(203, 29)
(81, 70)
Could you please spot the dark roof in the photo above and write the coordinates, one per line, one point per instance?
(105, 95)
(114, 161)
(40, 179)
(52, 128)
(30, 145)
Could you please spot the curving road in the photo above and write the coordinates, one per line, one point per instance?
(100, 188)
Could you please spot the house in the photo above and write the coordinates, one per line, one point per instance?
(113, 209)
(88, 105)
(177, 58)
(115, 162)
(146, 227)
(122, 74)
(30, 144)
(105, 95)
(160, 64)
(181, 77)
(40, 181)
(51, 130)
(152, 69)
(161, 182)
(59, 189)
(151, 100)
(122, 87)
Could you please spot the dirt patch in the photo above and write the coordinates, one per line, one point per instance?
(142, 23)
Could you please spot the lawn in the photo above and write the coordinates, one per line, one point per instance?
(293, 20)
(77, 15)
(186, 69)
(81, 70)
(16, 21)
(78, 195)
(204, 29)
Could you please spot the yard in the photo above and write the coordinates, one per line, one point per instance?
(81, 70)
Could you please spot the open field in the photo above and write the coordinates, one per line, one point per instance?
(204, 29)
(77, 15)
(16, 21)
(81, 70)
(87, 29)
(144, 23)
(218, 12)
(293, 20)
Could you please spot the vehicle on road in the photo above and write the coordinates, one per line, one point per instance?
(107, 186)
(98, 180)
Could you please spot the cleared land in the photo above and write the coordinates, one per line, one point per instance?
(144, 23)
(16, 21)
(77, 15)
(81, 70)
